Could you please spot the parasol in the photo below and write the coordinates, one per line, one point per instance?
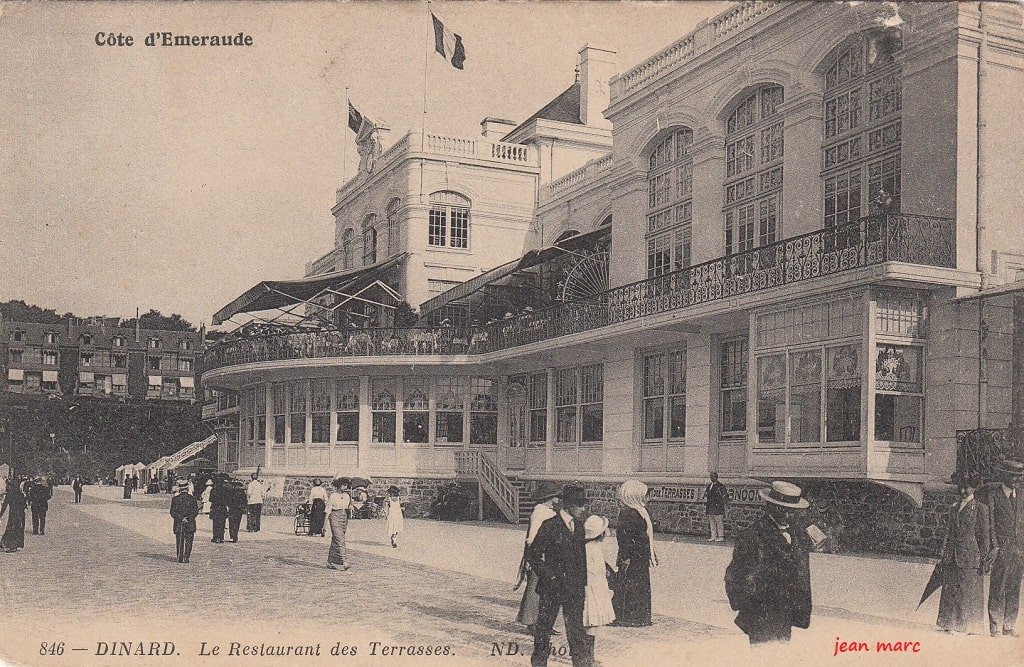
(934, 583)
(355, 480)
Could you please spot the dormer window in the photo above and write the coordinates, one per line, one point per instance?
(154, 343)
(50, 338)
(18, 336)
(118, 341)
(85, 339)
(185, 344)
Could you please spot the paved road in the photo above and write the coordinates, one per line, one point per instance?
(106, 573)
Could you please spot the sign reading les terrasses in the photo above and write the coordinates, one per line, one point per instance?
(741, 495)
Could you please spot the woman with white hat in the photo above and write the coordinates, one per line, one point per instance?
(337, 515)
(635, 535)
(597, 606)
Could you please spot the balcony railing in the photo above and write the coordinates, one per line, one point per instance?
(871, 241)
(981, 450)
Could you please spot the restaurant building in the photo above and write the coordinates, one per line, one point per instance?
(788, 248)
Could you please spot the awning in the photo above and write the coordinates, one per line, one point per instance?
(528, 260)
(86, 376)
(16, 374)
(1009, 288)
(49, 376)
(270, 294)
(186, 381)
(120, 379)
(155, 380)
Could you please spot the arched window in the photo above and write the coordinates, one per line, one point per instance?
(348, 247)
(861, 128)
(669, 203)
(448, 225)
(753, 170)
(369, 240)
(392, 217)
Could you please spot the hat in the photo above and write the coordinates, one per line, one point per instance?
(209, 482)
(574, 496)
(594, 526)
(393, 490)
(181, 486)
(339, 482)
(1010, 468)
(786, 495)
(547, 491)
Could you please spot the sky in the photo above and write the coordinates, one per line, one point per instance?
(175, 178)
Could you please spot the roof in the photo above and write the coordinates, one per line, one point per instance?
(271, 294)
(565, 109)
(1009, 288)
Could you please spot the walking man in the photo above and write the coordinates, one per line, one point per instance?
(1006, 508)
(715, 498)
(77, 486)
(218, 508)
(558, 555)
(39, 500)
(768, 581)
(184, 510)
(254, 504)
(236, 507)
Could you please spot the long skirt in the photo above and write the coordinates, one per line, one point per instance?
(339, 524)
(127, 491)
(14, 536)
(530, 605)
(317, 515)
(632, 600)
(962, 602)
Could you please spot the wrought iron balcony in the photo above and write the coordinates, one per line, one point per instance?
(874, 240)
(979, 451)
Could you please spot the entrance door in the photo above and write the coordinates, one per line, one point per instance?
(517, 427)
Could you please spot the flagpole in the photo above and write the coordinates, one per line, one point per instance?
(423, 118)
(344, 143)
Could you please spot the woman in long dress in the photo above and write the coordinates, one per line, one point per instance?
(204, 507)
(635, 535)
(337, 513)
(317, 502)
(597, 605)
(14, 537)
(965, 554)
(396, 519)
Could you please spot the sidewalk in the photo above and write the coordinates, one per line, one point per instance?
(856, 598)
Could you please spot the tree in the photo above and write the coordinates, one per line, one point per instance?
(405, 316)
(18, 311)
(154, 319)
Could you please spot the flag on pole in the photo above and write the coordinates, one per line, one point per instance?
(355, 119)
(448, 44)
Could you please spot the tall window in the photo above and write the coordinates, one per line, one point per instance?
(861, 128)
(297, 408)
(348, 248)
(348, 410)
(538, 404)
(278, 410)
(483, 412)
(733, 387)
(753, 170)
(382, 403)
(898, 393)
(448, 223)
(579, 404)
(565, 405)
(664, 391)
(669, 204)
(320, 409)
(451, 402)
(369, 240)
(261, 416)
(49, 357)
(415, 410)
(393, 231)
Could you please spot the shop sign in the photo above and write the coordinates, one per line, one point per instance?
(739, 495)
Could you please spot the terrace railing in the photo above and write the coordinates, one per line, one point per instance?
(874, 240)
(980, 450)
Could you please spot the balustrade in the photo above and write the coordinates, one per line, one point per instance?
(871, 241)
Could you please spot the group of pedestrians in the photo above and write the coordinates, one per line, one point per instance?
(22, 493)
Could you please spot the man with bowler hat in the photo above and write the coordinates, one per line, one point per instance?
(558, 555)
(1006, 509)
(219, 494)
(184, 510)
(768, 581)
(547, 500)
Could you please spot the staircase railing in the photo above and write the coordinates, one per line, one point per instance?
(476, 464)
(187, 452)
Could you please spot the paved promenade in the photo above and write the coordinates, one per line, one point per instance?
(105, 573)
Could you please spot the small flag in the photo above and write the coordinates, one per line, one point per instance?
(355, 119)
(448, 44)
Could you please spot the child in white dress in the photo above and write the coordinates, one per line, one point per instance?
(597, 606)
(396, 520)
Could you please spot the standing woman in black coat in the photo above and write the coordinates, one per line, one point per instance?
(14, 536)
(635, 535)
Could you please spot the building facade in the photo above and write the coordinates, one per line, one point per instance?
(790, 262)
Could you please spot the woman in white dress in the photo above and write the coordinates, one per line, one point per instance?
(204, 507)
(396, 519)
(597, 606)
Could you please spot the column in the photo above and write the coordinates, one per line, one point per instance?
(801, 180)
(708, 240)
(365, 422)
(549, 443)
(268, 425)
(503, 434)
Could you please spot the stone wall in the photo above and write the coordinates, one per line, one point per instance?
(417, 494)
(862, 516)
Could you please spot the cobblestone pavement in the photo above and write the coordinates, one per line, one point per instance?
(106, 572)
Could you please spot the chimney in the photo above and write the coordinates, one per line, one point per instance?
(494, 129)
(597, 67)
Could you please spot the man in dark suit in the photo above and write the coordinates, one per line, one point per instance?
(219, 494)
(1006, 508)
(184, 510)
(716, 496)
(558, 556)
(39, 500)
(77, 487)
(768, 581)
(236, 508)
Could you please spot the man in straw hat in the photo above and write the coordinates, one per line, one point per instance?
(768, 581)
(1006, 508)
(184, 510)
(558, 555)
(547, 500)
